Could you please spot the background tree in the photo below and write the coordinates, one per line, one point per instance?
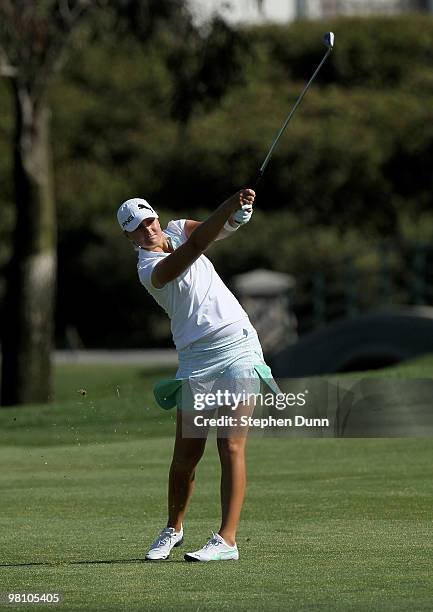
(34, 41)
(34, 38)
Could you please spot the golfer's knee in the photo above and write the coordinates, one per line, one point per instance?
(186, 460)
(230, 448)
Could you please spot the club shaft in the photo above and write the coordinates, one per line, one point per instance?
(292, 112)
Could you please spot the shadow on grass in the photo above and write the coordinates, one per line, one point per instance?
(92, 562)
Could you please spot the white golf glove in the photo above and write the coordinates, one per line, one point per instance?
(243, 215)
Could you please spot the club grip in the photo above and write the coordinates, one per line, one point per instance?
(257, 180)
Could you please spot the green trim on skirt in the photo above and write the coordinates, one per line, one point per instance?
(168, 391)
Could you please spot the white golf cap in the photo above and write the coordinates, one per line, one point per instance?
(132, 212)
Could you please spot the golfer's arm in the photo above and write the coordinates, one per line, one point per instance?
(190, 226)
(174, 265)
(200, 239)
(225, 233)
(205, 233)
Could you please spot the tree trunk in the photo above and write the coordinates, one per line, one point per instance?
(30, 292)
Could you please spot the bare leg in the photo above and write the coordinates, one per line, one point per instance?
(231, 449)
(187, 453)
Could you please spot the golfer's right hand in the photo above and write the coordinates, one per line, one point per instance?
(247, 197)
(240, 199)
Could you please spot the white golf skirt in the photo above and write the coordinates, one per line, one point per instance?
(228, 361)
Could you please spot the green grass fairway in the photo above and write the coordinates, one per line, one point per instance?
(327, 525)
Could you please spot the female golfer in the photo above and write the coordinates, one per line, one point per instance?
(217, 348)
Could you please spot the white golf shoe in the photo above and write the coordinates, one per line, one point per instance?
(161, 548)
(216, 549)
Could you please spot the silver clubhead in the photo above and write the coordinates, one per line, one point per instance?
(329, 40)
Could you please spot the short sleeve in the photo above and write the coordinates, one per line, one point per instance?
(176, 228)
(145, 274)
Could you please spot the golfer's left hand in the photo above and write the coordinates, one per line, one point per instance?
(243, 215)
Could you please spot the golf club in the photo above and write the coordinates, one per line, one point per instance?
(329, 42)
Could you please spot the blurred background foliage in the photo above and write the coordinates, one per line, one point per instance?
(184, 116)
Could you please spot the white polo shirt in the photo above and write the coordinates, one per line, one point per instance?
(197, 302)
